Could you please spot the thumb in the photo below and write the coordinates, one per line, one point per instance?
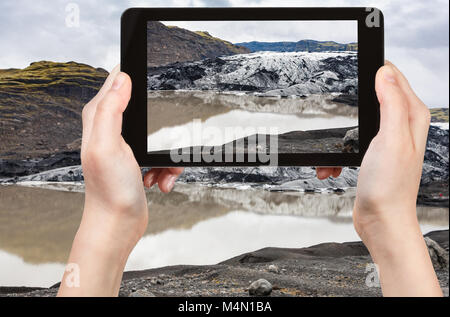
(393, 103)
(107, 125)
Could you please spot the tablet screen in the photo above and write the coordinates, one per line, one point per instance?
(216, 83)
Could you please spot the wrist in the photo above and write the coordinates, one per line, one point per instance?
(392, 240)
(100, 251)
(110, 231)
(124, 223)
(386, 231)
(403, 263)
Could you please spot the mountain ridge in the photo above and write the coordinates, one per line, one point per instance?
(299, 46)
(171, 44)
(40, 106)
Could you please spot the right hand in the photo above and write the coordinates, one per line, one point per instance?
(384, 214)
(390, 172)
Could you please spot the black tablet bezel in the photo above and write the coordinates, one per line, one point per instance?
(134, 63)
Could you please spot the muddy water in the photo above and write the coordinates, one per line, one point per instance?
(171, 115)
(192, 225)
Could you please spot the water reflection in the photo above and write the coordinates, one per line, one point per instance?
(170, 116)
(192, 225)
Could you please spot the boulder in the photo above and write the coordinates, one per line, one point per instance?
(438, 255)
(260, 287)
(273, 268)
(351, 140)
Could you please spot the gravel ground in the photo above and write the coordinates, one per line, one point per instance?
(329, 269)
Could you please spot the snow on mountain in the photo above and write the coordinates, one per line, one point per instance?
(263, 73)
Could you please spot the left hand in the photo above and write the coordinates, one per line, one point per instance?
(114, 184)
(115, 212)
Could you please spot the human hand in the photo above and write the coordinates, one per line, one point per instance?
(384, 213)
(390, 172)
(113, 180)
(325, 172)
(115, 211)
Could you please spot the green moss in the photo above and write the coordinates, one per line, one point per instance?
(329, 43)
(439, 114)
(352, 46)
(208, 36)
(41, 75)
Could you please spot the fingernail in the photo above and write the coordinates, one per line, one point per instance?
(379, 96)
(118, 81)
(149, 181)
(389, 76)
(171, 182)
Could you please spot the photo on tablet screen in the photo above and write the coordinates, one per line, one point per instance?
(213, 83)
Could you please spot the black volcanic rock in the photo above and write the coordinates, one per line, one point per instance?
(14, 168)
(436, 161)
(351, 100)
(434, 185)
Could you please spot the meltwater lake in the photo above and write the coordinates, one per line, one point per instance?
(222, 117)
(194, 224)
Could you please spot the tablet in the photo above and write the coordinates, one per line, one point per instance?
(251, 86)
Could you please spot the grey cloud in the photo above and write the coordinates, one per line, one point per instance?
(216, 3)
(272, 31)
(416, 34)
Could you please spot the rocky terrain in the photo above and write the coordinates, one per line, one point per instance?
(328, 270)
(170, 44)
(300, 46)
(435, 173)
(264, 73)
(337, 140)
(40, 107)
(433, 190)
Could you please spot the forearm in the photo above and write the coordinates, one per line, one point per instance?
(404, 264)
(97, 259)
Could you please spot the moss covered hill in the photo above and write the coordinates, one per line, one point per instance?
(439, 114)
(300, 46)
(170, 44)
(40, 107)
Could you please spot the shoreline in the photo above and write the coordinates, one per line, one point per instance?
(333, 140)
(285, 180)
(327, 269)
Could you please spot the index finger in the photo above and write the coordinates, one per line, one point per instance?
(325, 172)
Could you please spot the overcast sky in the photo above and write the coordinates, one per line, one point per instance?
(275, 31)
(416, 32)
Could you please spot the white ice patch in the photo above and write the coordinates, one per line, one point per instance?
(441, 125)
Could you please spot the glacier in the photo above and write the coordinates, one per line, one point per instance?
(278, 74)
